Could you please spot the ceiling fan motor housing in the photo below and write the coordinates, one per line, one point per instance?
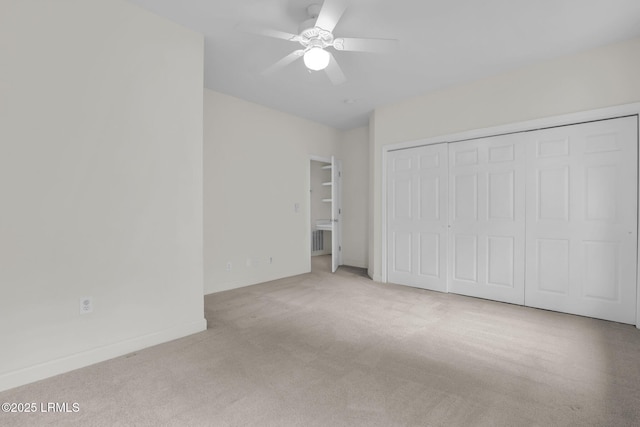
(316, 33)
(309, 34)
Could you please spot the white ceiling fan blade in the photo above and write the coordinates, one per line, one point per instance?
(334, 72)
(269, 32)
(283, 62)
(330, 14)
(365, 45)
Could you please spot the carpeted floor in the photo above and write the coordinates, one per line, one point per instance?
(340, 350)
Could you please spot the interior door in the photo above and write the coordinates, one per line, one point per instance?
(487, 218)
(336, 214)
(582, 219)
(417, 217)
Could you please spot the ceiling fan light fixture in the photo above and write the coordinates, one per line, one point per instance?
(316, 58)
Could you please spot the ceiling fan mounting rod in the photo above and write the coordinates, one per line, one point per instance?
(313, 10)
(309, 31)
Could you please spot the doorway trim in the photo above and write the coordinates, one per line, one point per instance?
(312, 158)
(624, 110)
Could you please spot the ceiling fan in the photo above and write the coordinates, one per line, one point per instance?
(316, 37)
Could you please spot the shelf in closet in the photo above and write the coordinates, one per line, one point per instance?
(326, 167)
(327, 200)
(327, 183)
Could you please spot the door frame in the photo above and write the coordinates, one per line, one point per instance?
(336, 214)
(312, 158)
(523, 126)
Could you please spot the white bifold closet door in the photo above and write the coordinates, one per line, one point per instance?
(582, 219)
(546, 218)
(417, 217)
(487, 218)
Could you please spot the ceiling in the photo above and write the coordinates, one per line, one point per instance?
(440, 43)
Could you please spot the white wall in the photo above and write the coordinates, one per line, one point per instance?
(101, 183)
(594, 79)
(256, 163)
(353, 150)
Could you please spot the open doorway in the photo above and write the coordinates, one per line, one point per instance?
(320, 209)
(325, 214)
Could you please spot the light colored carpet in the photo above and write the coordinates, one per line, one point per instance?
(340, 350)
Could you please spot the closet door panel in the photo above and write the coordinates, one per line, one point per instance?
(417, 217)
(582, 219)
(487, 208)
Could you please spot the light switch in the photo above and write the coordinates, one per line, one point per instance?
(296, 207)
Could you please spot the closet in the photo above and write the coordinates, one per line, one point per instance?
(544, 218)
(326, 209)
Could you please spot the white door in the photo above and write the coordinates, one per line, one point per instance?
(582, 219)
(487, 218)
(417, 217)
(336, 214)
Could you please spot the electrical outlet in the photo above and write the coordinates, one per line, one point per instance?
(229, 266)
(86, 305)
(270, 260)
(248, 262)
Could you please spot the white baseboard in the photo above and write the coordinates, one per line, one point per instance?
(227, 286)
(319, 253)
(352, 262)
(90, 357)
